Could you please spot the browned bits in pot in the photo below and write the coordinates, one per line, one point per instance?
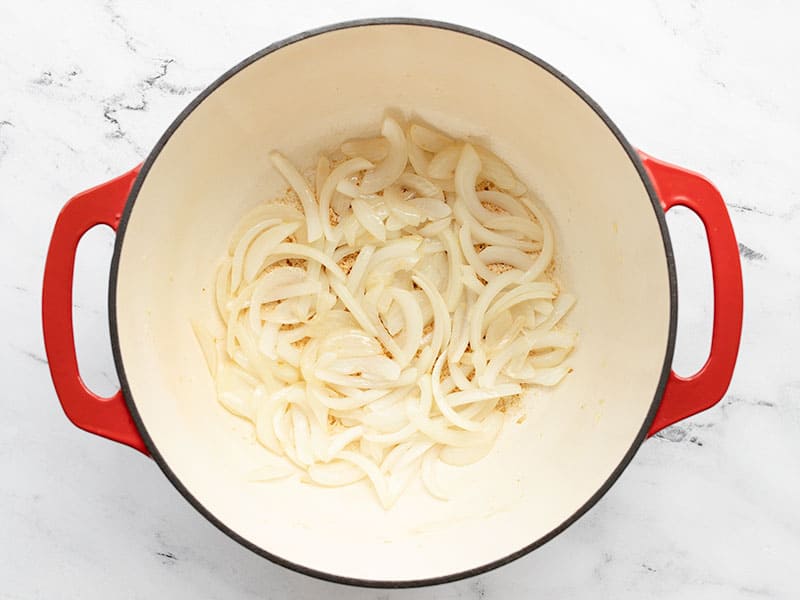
(336, 159)
(550, 273)
(498, 268)
(494, 208)
(445, 372)
(508, 403)
(346, 263)
(289, 199)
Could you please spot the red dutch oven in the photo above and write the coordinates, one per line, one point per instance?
(607, 201)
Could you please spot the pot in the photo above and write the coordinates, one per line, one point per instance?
(607, 201)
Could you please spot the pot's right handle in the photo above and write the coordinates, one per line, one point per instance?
(686, 396)
(107, 417)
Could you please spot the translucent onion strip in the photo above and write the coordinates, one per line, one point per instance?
(303, 191)
(340, 173)
(390, 168)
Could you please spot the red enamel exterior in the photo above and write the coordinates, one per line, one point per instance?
(107, 417)
(684, 397)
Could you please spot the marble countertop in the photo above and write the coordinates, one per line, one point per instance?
(708, 509)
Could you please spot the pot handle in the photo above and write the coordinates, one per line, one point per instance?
(107, 417)
(686, 396)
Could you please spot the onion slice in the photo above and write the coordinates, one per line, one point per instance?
(303, 191)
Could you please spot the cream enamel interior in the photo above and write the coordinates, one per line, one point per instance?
(306, 97)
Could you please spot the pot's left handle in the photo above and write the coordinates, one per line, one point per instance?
(107, 417)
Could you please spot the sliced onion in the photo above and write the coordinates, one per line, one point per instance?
(359, 268)
(428, 139)
(412, 324)
(393, 319)
(444, 162)
(373, 149)
(470, 279)
(418, 158)
(488, 294)
(435, 227)
(403, 210)
(303, 191)
(340, 205)
(522, 293)
(265, 212)
(421, 186)
(291, 250)
(553, 358)
(502, 200)
(543, 307)
(431, 209)
(466, 176)
(304, 288)
(496, 171)
(263, 246)
(547, 377)
(397, 255)
(525, 227)
(508, 256)
(340, 173)
(369, 219)
(462, 456)
(242, 247)
(441, 316)
(473, 259)
(441, 402)
(457, 399)
(394, 437)
(388, 170)
(372, 471)
(341, 440)
(546, 254)
(454, 288)
(483, 235)
(405, 454)
(376, 368)
(342, 368)
(460, 336)
(349, 188)
(355, 308)
(561, 307)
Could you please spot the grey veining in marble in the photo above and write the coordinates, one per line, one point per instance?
(709, 508)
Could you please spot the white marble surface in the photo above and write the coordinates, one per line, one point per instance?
(708, 509)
